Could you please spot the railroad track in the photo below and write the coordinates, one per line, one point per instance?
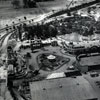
(3, 37)
(34, 20)
(3, 30)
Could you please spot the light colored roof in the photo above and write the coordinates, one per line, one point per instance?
(56, 75)
(51, 57)
(62, 89)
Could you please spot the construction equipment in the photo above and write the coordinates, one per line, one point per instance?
(75, 8)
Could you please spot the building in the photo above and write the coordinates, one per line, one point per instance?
(63, 89)
(88, 62)
(82, 47)
(4, 92)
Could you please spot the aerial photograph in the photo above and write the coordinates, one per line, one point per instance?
(49, 49)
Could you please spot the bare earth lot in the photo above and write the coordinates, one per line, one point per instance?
(9, 14)
(6, 9)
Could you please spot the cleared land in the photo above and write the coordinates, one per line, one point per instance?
(9, 14)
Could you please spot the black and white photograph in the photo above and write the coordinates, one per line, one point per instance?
(49, 49)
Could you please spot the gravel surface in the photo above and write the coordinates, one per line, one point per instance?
(8, 14)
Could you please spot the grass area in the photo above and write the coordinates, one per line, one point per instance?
(51, 65)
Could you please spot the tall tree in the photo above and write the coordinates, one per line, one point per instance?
(16, 3)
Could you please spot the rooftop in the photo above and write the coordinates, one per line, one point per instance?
(63, 89)
(90, 61)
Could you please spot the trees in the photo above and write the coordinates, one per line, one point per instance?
(25, 2)
(16, 3)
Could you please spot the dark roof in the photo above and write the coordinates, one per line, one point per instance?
(62, 89)
(90, 61)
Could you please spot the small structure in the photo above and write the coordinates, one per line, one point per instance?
(3, 74)
(4, 92)
(10, 68)
(12, 43)
(10, 55)
(51, 58)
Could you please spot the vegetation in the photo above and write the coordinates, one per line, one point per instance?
(51, 65)
(16, 3)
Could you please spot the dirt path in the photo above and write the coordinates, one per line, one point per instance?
(8, 14)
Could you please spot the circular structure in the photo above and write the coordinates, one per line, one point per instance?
(51, 58)
(51, 62)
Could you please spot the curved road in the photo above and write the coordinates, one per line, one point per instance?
(3, 44)
(5, 36)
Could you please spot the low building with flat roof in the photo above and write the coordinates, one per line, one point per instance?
(87, 62)
(63, 89)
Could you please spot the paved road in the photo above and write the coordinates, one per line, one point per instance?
(92, 82)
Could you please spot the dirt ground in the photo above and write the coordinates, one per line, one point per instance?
(7, 10)
(9, 14)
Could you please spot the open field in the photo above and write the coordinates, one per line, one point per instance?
(9, 14)
(7, 10)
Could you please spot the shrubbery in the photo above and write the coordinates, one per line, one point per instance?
(16, 3)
